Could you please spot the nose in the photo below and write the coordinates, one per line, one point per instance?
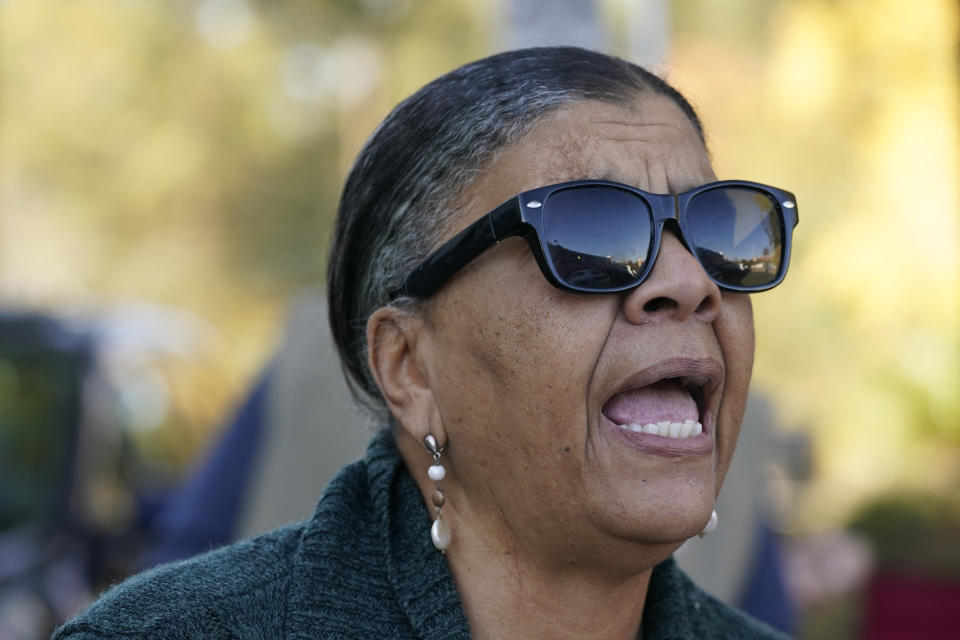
(676, 288)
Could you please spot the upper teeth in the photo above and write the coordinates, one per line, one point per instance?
(679, 430)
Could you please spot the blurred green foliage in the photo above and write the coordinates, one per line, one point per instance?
(913, 533)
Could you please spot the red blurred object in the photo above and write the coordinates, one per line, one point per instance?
(902, 607)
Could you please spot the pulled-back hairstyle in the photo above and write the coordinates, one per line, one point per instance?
(394, 205)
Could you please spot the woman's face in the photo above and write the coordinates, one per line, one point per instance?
(530, 382)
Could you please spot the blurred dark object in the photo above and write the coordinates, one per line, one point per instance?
(915, 590)
(74, 511)
(914, 534)
(42, 564)
(42, 366)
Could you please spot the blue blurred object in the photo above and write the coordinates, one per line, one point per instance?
(765, 594)
(203, 513)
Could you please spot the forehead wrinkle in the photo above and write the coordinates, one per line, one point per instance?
(681, 129)
(641, 137)
(636, 124)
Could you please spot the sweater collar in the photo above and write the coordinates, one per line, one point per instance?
(418, 572)
(671, 604)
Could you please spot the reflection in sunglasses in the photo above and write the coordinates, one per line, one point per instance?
(585, 269)
(753, 210)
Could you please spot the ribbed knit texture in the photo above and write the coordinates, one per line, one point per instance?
(362, 567)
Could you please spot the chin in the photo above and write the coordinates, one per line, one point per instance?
(657, 513)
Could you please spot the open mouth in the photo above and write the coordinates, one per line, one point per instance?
(669, 408)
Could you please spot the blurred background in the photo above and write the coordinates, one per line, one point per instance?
(169, 172)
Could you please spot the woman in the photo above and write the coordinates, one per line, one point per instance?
(561, 353)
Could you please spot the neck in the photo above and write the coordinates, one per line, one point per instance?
(509, 594)
(539, 580)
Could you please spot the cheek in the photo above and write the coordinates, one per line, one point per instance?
(517, 358)
(734, 330)
(525, 348)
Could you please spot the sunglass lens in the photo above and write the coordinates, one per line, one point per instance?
(598, 237)
(737, 234)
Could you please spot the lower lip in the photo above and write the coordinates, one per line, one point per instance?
(695, 447)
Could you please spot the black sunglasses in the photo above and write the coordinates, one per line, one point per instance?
(596, 236)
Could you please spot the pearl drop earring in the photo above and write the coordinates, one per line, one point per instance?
(711, 524)
(440, 531)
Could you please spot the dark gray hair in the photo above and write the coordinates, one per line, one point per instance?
(395, 203)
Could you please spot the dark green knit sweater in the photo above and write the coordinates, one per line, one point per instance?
(362, 567)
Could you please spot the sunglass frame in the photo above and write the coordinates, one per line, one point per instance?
(522, 215)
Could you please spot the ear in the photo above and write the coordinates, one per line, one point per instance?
(398, 353)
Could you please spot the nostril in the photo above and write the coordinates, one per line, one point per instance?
(707, 305)
(656, 304)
